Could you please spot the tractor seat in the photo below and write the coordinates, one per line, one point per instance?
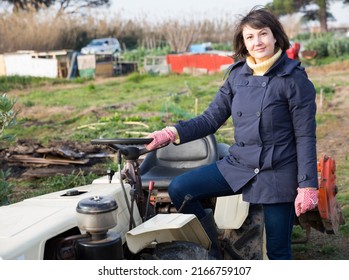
(162, 165)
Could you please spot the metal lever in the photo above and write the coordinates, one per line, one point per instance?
(150, 189)
(187, 198)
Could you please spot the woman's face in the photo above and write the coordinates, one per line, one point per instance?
(260, 43)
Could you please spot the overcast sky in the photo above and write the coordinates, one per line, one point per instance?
(159, 9)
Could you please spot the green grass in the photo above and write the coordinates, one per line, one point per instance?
(52, 184)
(8, 83)
(140, 97)
(342, 182)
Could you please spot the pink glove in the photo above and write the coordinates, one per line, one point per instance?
(161, 138)
(307, 199)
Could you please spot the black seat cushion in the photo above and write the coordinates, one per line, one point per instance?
(162, 165)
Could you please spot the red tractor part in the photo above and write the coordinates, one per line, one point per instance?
(327, 217)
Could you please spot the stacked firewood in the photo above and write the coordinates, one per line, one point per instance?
(33, 159)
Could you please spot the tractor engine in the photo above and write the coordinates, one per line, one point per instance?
(95, 216)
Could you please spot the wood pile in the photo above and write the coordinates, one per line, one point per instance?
(32, 159)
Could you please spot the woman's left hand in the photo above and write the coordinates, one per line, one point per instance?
(307, 199)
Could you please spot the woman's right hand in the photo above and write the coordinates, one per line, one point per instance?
(161, 138)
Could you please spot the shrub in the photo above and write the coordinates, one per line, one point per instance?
(338, 47)
(7, 114)
(327, 45)
(320, 45)
(7, 118)
(5, 187)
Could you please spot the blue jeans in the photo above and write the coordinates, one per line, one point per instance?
(207, 182)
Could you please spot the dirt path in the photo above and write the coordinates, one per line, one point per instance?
(334, 142)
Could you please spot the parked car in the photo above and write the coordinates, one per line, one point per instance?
(102, 45)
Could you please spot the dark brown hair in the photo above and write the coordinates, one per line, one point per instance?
(258, 18)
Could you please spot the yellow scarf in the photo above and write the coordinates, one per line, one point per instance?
(260, 68)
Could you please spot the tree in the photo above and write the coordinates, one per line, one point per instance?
(71, 6)
(180, 34)
(311, 9)
(28, 5)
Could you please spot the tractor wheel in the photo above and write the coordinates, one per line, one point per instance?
(247, 242)
(177, 250)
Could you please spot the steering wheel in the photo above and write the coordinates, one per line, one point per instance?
(122, 141)
(129, 147)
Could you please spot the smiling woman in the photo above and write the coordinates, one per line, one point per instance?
(273, 159)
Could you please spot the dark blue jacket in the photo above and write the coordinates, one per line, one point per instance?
(274, 130)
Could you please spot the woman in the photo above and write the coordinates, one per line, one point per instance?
(273, 161)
